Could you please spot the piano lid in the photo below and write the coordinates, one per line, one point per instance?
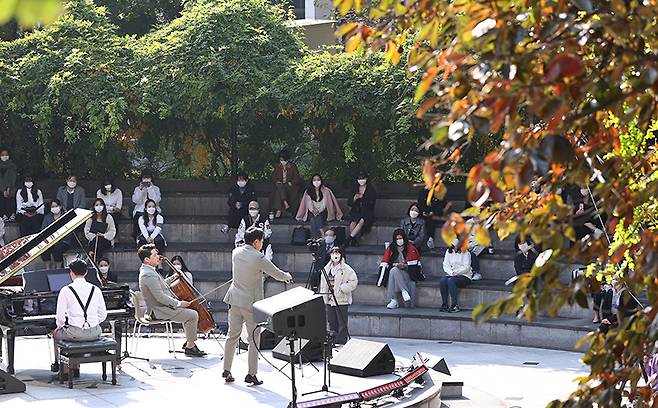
(20, 253)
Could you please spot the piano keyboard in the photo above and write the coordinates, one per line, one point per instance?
(52, 316)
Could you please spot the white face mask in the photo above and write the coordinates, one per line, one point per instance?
(584, 192)
(104, 269)
(99, 208)
(71, 184)
(151, 210)
(400, 242)
(108, 187)
(317, 183)
(253, 213)
(524, 247)
(178, 267)
(283, 162)
(335, 258)
(362, 182)
(4, 157)
(413, 214)
(55, 210)
(146, 182)
(329, 239)
(29, 184)
(242, 183)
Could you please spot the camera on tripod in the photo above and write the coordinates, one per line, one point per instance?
(314, 245)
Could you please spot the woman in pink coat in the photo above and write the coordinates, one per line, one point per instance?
(318, 206)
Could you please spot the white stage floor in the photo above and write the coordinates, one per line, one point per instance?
(494, 376)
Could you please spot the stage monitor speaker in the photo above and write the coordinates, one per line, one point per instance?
(10, 384)
(311, 350)
(362, 358)
(267, 341)
(436, 363)
(296, 312)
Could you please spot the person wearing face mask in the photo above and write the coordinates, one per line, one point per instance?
(526, 255)
(180, 266)
(145, 191)
(586, 220)
(113, 198)
(362, 215)
(99, 230)
(71, 195)
(53, 257)
(29, 208)
(432, 213)
(623, 304)
(343, 281)
(150, 227)
(414, 227)
(399, 270)
(457, 267)
(318, 206)
(8, 175)
(104, 269)
(255, 219)
(286, 180)
(241, 193)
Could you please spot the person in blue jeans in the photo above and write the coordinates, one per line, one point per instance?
(457, 267)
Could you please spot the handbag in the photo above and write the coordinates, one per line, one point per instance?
(416, 273)
(300, 235)
(383, 272)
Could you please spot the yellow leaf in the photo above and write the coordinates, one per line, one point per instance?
(392, 52)
(570, 233)
(424, 85)
(353, 43)
(7, 8)
(346, 29)
(343, 6)
(470, 212)
(482, 236)
(448, 234)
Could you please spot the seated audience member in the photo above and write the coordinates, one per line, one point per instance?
(239, 197)
(255, 218)
(8, 176)
(457, 267)
(623, 304)
(343, 281)
(362, 215)
(475, 250)
(29, 208)
(99, 230)
(145, 191)
(104, 269)
(526, 255)
(318, 205)
(414, 227)
(53, 257)
(399, 270)
(650, 364)
(180, 266)
(71, 195)
(2, 232)
(601, 299)
(113, 198)
(287, 181)
(432, 213)
(80, 311)
(150, 227)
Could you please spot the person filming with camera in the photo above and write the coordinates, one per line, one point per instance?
(336, 286)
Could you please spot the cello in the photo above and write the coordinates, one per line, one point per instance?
(182, 289)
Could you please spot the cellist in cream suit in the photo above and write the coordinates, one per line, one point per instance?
(249, 264)
(161, 304)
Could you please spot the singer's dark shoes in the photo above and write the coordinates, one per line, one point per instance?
(252, 379)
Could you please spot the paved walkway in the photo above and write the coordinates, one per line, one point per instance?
(494, 376)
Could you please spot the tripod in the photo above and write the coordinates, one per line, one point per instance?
(327, 347)
(291, 344)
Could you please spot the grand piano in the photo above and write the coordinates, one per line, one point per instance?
(28, 301)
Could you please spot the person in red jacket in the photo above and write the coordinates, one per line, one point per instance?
(399, 270)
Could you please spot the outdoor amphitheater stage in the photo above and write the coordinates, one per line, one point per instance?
(493, 376)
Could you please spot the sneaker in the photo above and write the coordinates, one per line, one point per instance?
(444, 308)
(454, 309)
(476, 276)
(12, 218)
(405, 296)
(5, 218)
(252, 379)
(194, 352)
(393, 304)
(226, 375)
(430, 243)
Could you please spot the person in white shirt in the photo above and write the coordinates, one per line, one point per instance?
(80, 309)
(29, 208)
(150, 227)
(255, 219)
(145, 191)
(343, 281)
(113, 198)
(457, 267)
(100, 241)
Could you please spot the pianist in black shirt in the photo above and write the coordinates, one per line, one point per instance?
(53, 258)
(80, 309)
(104, 268)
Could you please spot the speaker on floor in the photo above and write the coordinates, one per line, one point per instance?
(436, 363)
(10, 384)
(311, 350)
(362, 358)
(267, 341)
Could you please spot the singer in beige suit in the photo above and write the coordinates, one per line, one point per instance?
(249, 264)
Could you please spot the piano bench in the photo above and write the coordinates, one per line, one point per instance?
(81, 352)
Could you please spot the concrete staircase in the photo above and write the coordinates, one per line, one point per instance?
(192, 230)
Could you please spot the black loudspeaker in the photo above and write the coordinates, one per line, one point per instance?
(311, 351)
(363, 358)
(267, 341)
(296, 312)
(437, 364)
(10, 384)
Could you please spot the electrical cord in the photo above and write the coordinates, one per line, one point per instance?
(253, 333)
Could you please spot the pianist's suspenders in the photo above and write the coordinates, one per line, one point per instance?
(83, 306)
